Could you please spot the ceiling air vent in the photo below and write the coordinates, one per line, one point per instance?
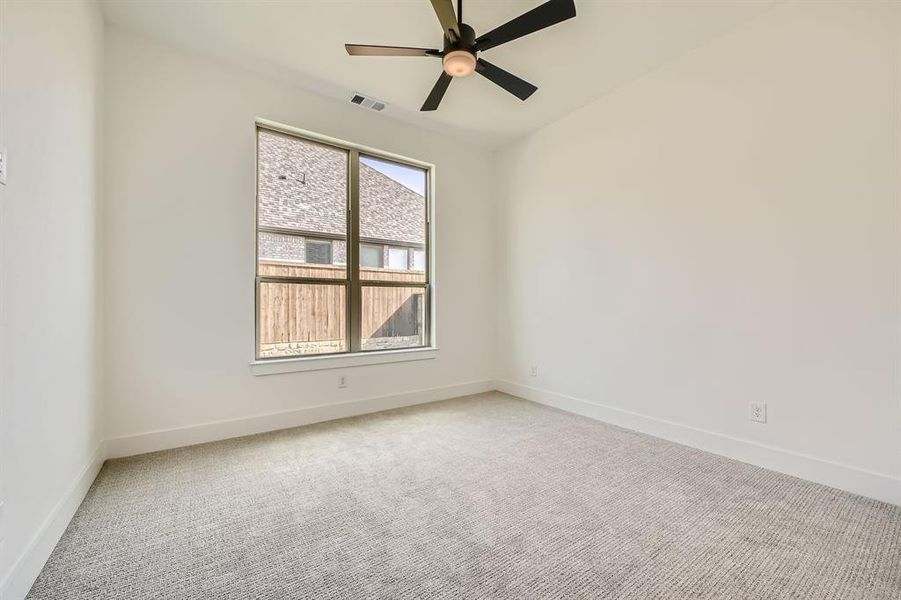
(367, 102)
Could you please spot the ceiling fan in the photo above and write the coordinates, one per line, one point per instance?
(461, 46)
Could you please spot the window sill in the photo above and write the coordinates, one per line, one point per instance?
(319, 363)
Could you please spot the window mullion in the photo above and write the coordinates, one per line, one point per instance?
(390, 283)
(355, 302)
(302, 280)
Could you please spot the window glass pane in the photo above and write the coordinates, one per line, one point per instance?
(419, 260)
(397, 259)
(371, 256)
(392, 209)
(301, 319)
(393, 317)
(283, 255)
(319, 252)
(302, 190)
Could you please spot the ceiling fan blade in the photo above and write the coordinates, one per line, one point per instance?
(518, 87)
(445, 11)
(437, 93)
(549, 13)
(364, 50)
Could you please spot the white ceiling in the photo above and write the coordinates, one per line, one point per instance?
(608, 44)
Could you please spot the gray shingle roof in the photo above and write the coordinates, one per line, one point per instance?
(303, 186)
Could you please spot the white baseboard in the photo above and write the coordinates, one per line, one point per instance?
(221, 430)
(852, 479)
(29, 564)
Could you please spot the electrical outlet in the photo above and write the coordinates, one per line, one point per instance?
(757, 412)
(3, 161)
(342, 381)
(533, 371)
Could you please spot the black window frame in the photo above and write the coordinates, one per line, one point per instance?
(352, 281)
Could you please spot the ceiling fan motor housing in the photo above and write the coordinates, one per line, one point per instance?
(467, 40)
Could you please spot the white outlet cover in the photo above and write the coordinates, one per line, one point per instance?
(757, 412)
(3, 161)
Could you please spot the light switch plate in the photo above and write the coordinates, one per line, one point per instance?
(3, 161)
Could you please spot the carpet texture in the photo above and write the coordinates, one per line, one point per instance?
(481, 497)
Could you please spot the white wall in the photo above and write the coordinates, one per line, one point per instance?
(50, 413)
(180, 248)
(723, 230)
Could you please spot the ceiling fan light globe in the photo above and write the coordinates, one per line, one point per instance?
(459, 63)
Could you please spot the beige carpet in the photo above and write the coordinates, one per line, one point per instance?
(481, 497)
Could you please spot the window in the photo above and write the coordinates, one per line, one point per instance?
(371, 256)
(342, 247)
(319, 252)
(397, 259)
(418, 260)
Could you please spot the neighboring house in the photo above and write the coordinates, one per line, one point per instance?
(303, 209)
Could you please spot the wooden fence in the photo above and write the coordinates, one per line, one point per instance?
(313, 315)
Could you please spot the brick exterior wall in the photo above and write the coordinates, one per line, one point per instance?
(303, 186)
(292, 248)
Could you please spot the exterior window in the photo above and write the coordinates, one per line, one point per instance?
(371, 256)
(319, 252)
(397, 259)
(342, 247)
(418, 260)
